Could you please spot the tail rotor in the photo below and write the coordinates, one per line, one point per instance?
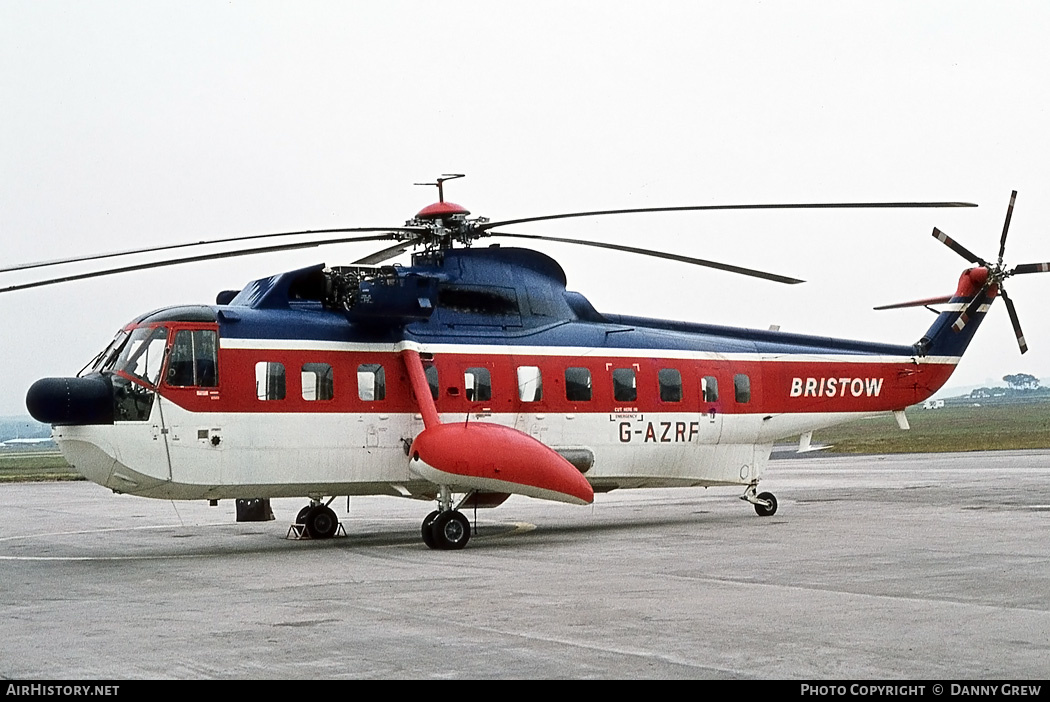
(997, 275)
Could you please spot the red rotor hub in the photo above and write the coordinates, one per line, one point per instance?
(442, 210)
(972, 280)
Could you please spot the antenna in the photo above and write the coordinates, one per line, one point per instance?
(441, 183)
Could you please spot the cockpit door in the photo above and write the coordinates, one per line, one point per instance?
(192, 433)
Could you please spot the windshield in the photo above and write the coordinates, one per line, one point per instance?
(104, 359)
(143, 354)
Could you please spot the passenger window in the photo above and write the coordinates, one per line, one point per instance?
(269, 380)
(194, 358)
(709, 388)
(431, 372)
(670, 385)
(742, 387)
(318, 383)
(530, 384)
(371, 382)
(478, 384)
(577, 384)
(624, 387)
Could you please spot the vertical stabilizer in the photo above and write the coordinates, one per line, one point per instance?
(955, 326)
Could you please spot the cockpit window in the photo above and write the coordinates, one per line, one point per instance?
(194, 359)
(143, 354)
(105, 358)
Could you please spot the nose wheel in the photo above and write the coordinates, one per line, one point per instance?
(446, 528)
(446, 531)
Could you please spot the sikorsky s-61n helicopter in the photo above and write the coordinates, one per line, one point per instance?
(472, 372)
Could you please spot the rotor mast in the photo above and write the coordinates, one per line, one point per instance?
(445, 220)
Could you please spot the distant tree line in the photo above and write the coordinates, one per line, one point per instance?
(1017, 384)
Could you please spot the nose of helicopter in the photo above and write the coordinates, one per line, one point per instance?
(85, 400)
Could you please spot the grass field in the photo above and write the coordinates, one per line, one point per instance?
(989, 427)
(31, 465)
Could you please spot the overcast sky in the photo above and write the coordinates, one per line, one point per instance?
(127, 124)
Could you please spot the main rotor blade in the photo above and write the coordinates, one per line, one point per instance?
(657, 254)
(1006, 226)
(916, 303)
(172, 247)
(386, 254)
(784, 206)
(193, 259)
(957, 247)
(1014, 320)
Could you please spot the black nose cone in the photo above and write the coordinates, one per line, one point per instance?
(87, 400)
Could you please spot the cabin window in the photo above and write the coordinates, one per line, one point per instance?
(194, 358)
(577, 384)
(269, 380)
(625, 388)
(318, 381)
(143, 354)
(431, 372)
(478, 384)
(371, 382)
(530, 384)
(709, 388)
(670, 385)
(742, 388)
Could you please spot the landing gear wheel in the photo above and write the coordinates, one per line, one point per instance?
(428, 529)
(764, 511)
(451, 530)
(301, 517)
(321, 522)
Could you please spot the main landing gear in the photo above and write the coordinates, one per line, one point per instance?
(446, 529)
(765, 503)
(318, 520)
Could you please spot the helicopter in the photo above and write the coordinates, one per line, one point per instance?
(467, 376)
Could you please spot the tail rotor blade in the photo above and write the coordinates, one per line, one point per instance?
(1014, 321)
(1031, 268)
(1006, 226)
(971, 309)
(957, 247)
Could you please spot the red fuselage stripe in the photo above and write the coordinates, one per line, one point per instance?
(775, 386)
